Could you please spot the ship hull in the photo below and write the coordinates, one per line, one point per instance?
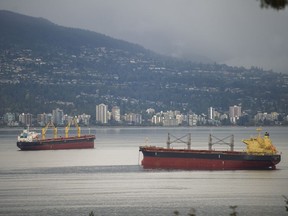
(161, 158)
(82, 142)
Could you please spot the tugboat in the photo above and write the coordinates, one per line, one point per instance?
(260, 154)
(31, 140)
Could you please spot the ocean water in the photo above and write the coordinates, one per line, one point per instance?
(109, 179)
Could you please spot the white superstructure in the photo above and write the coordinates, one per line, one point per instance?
(28, 136)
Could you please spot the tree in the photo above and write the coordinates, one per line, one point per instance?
(275, 4)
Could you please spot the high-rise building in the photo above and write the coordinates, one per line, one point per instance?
(133, 118)
(234, 113)
(44, 118)
(101, 113)
(41, 119)
(157, 118)
(25, 119)
(211, 113)
(116, 113)
(57, 116)
(170, 118)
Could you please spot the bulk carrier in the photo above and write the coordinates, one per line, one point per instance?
(259, 154)
(30, 140)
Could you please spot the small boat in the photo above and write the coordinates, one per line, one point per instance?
(31, 140)
(260, 154)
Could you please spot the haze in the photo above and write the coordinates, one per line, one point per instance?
(237, 33)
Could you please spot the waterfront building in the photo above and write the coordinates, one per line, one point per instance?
(192, 119)
(102, 113)
(170, 118)
(234, 113)
(133, 118)
(179, 119)
(26, 119)
(44, 118)
(211, 113)
(57, 116)
(115, 113)
(157, 119)
(273, 116)
(84, 119)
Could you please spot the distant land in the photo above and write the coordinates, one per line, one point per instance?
(46, 66)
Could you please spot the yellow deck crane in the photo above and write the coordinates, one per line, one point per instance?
(67, 128)
(44, 130)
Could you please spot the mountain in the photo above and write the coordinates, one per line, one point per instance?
(45, 66)
(26, 31)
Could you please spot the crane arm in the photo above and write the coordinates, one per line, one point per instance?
(67, 128)
(44, 130)
(78, 127)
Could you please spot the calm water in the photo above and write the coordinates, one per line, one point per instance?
(108, 180)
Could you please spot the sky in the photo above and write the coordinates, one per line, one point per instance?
(232, 32)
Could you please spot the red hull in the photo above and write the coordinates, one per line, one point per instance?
(160, 158)
(82, 142)
(203, 164)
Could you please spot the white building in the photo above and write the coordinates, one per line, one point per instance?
(116, 113)
(157, 119)
(211, 113)
(150, 111)
(84, 119)
(101, 113)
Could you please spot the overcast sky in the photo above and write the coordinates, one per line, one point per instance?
(234, 32)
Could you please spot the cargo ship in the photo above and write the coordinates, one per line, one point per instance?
(31, 140)
(260, 154)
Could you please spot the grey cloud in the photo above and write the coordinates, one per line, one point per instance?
(238, 33)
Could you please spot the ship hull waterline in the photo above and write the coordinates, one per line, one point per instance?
(206, 160)
(82, 142)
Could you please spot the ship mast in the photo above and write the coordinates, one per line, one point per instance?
(221, 142)
(179, 140)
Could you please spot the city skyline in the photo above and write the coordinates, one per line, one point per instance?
(104, 116)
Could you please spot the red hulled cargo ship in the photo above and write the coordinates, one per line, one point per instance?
(260, 154)
(30, 140)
